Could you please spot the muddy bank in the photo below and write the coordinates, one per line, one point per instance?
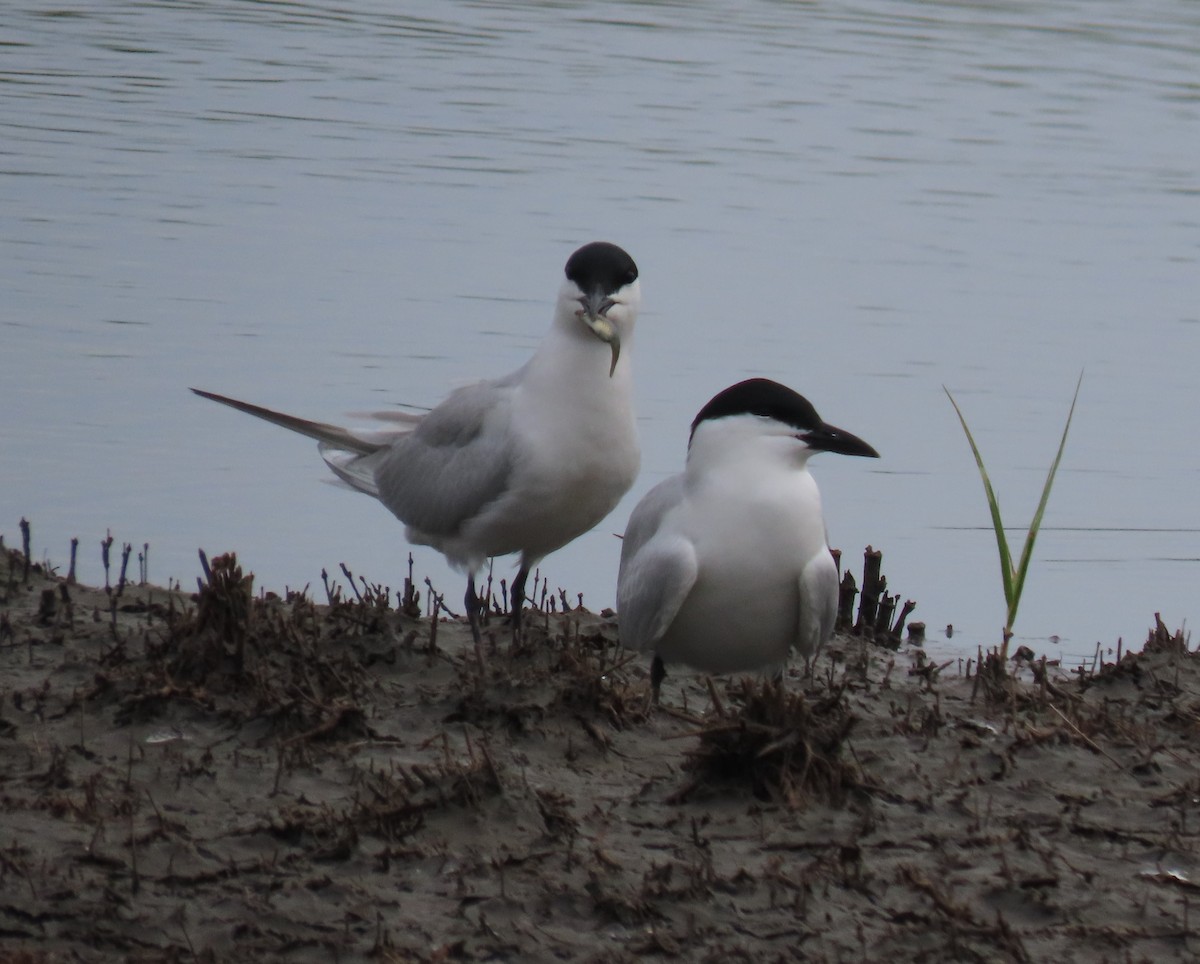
(223, 778)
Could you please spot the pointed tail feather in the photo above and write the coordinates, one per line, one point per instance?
(332, 436)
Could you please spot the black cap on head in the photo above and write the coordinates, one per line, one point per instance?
(761, 396)
(601, 265)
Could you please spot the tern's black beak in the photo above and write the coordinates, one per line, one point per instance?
(830, 438)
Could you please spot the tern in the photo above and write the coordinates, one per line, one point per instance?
(519, 464)
(726, 566)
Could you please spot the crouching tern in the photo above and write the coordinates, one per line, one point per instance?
(725, 567)
(520, 464)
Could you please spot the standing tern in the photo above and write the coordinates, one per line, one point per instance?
(726, 567)
(520, 464)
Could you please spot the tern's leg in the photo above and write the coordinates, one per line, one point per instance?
(658, 673)
(516, 600)
(472, 603)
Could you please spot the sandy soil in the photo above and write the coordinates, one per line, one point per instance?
(224, 778)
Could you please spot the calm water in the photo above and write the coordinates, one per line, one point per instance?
(330, 208)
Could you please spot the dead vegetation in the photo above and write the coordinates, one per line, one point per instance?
(877, 619)
(785, 746)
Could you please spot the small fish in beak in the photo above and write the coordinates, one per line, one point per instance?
(593, 315)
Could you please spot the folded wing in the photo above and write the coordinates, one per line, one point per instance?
(658, 568)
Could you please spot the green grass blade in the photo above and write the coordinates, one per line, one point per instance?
(1006, 569)
(1030, 538)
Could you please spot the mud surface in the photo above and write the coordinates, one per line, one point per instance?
(220, 777)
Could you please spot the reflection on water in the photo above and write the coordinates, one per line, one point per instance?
(328, 210)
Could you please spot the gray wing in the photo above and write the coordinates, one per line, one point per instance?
(458, 460)
(658, 568)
